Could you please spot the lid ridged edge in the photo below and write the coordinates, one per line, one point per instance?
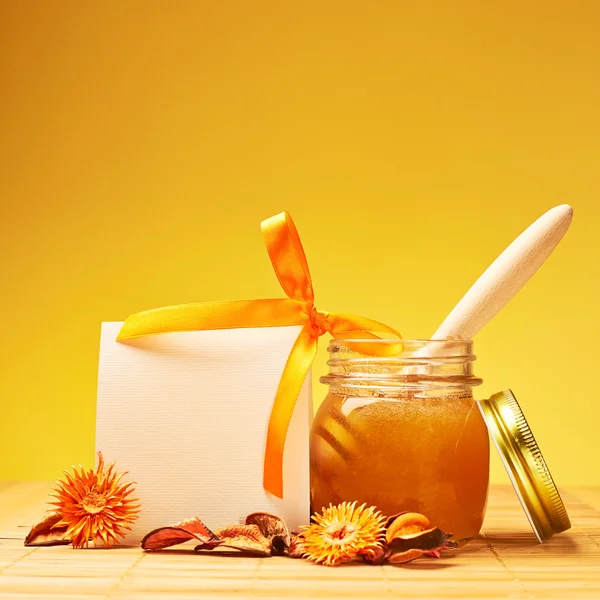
(560, 518)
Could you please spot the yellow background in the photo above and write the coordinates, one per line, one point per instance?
(142, 143)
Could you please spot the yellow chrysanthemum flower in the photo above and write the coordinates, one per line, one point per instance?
(343, 532)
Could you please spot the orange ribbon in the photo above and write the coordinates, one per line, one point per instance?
(290, 265)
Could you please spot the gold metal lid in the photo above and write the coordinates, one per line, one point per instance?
(525, 464)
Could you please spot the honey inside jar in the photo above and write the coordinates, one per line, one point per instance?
(403, 433)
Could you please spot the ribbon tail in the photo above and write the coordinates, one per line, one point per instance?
(351, 327)
(339, 324)
(292, 379)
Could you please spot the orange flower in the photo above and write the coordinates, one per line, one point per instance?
(96, 505)
(343, 532)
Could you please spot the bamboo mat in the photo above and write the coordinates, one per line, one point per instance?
(506, 562)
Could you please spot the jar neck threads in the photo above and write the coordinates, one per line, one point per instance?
(409, 365)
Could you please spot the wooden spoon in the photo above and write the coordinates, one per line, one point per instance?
(506, 275)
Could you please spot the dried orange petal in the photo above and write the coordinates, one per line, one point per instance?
(406, 523)
(161, 538)
(399, 558)
(48, 532)
(408, 547)
(376, 556)
(247, 538)
(410, 535)
(423, 540)
(296, 547)
(273, 528)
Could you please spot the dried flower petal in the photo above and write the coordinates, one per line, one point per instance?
(376, 556)
(246, 538)
(438, 551)
(161, 538)
(296, 547)
(400, 558)
(410, 535)
(406, 523)
(273, 528)
(48, 532)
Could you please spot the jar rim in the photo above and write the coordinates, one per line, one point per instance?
(405, 347)
(401, 340)
(398, 362)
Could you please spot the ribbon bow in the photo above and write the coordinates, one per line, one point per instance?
(290, 265)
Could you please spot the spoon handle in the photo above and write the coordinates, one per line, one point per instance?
(506, 275)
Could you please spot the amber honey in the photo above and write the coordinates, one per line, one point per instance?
(403, 441)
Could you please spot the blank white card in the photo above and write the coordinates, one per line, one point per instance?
(186, 414)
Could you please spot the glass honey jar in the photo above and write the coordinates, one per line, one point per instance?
(400, 430)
